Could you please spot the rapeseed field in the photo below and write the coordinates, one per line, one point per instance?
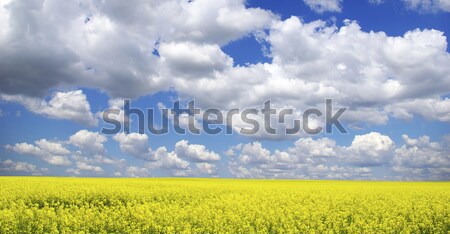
(103, 205)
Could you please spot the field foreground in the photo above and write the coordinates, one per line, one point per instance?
(74, 205)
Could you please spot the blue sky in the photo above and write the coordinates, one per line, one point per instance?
(387, 62)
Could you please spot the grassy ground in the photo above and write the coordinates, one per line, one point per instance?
(75, 205)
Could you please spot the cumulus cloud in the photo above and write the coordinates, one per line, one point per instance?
(168, 160)
(432, 109)
(370, 149)
(136, 145)
(195, 152)
(373, 74)
(91, 154)
(192, 60)
(73, 171)
(87, 167)
(207, 168)
(53, 153)
(82, 166)
(71, 105)
(132, 50)
(321, 6)
(377, 2)
(79, 156)
(178, 161)
(94, 44)
(9, 166)
(133, 171)
(370, 156)
(428, 5)
(422, 6)
(421, 152)
(90, 141)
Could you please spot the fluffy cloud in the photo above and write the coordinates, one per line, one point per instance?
(321, 6)
(420, 158)
(87, 167)
(193, 61)
(168, 160)
(73, 171)
(79, 156)
(71, 105)
(371, 73)
(323, 147)
(421, 152)
(428, 5)
(133, 171)
(82, 166)
(133, 50)
(178, 161)
(53, 153)
(195, 152)
(135, 144)
(370, 156)
(432, 109)
(376, 1)
(89, 158)
(94, 44)
(22, 167)
(90, 141)
(92, 156)
(370, 149)
(207, 168)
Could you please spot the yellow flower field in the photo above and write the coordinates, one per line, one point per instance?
(75, 205)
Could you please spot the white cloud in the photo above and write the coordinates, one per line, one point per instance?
(370, 156)
(86, 167)
(99, 47)
(136, 145)
(323, 147)
(133, 171)
(421, 152)
(83, 166)
(422, 159)
(195, 152)
(377, 2)
(93, 44)
(422, 6)
(432, 109)
(254, 153)
(207, 168)
(428, 5)
(321, 6)
(369, 149)
(10, 166)
(90, 141)
(192, 60)
(371, 73)
(79, 156)
(51, 152)
(168, 160)
(73, 171)
(54, 148)
(71, 105)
